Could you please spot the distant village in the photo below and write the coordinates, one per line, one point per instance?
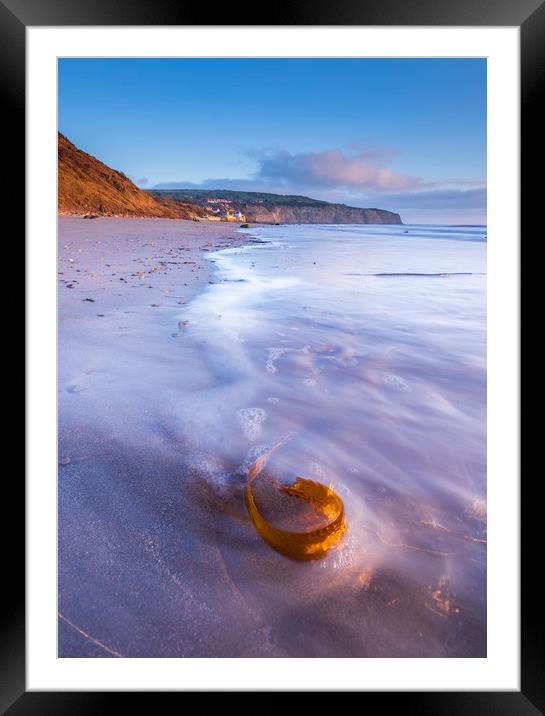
(222, 210)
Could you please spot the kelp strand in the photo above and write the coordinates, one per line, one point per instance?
(306, 544)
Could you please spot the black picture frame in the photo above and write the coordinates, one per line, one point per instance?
(15, 16)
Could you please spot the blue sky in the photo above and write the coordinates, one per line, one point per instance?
(407, 135)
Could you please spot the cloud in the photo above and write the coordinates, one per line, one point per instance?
(357, 177)
(458, 204)
(352, 175)
(332, 169)
(438, 199)
(182, 185)
(235, 184)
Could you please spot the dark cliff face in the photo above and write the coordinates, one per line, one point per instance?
(319, 214)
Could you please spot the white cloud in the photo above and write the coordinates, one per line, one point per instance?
(332, 169)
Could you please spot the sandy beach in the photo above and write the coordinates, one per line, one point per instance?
(122, 283)
(137, 261)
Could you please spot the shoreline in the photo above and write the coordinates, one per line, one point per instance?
(86, 248)
(123, 287)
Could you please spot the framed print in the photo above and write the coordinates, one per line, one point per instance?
(273, 275)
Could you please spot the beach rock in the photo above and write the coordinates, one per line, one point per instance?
(76, 387)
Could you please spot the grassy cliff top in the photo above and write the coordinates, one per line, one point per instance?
(240, 196)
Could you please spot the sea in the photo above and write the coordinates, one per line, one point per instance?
(364, 347)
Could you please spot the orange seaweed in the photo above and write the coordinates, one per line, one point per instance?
(306, 544)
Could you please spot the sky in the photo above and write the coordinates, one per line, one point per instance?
(408, 135)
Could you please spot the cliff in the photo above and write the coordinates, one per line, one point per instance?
(87, 186)
(259, 207)
(328, 214)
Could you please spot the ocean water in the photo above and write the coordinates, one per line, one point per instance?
(364, 349)
(368, 345)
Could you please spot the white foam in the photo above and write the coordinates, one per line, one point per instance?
(273, 355)
(395, 382)
(251, 420)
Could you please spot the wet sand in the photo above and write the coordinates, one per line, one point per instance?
(112, 262)
(157, 556)
(122, 283)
